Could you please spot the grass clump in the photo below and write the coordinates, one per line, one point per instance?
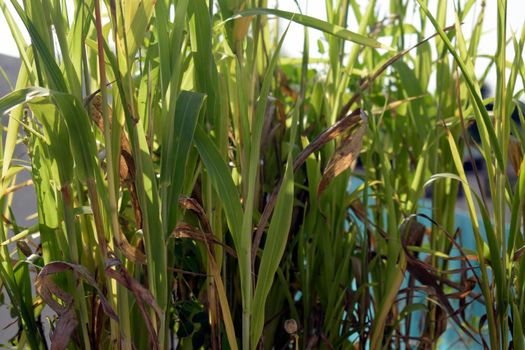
(196, 189)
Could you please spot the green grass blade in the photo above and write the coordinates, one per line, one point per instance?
(480, 110)
(222, 182)
(175, 149)
(20, 96)
(274, 247)
(315, 23)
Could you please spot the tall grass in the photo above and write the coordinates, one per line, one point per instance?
(197, 189)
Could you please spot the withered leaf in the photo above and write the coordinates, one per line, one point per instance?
(515, 155)
(131, 252)
(216, 293)
(67, 320)
(93, 104)
(327, 135)
(143, 297)
(184, 230)
(345, 156)
(205, 235)
(425, 273)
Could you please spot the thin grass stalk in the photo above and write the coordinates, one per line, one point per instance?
(145, 184)
(502, 125)
(73, 243)
(121, 293)
(444, 192)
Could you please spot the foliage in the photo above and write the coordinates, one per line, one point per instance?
(192, 184)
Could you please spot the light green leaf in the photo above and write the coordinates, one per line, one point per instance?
(316, 23)
(273, 251)
(175, 147)
(222, 182)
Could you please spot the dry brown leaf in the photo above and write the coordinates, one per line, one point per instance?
(241, 26)
(131, 252)
(345, 156)
(515, 155)
(193, 205)
(216, 291)
(48, 290)
(184, 230)
(143, 297)
(328, 134)
(93, 104)
(426, 274)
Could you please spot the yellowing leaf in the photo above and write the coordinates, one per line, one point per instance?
(344, 157)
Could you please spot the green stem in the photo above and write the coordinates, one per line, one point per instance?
(80, 298)
(122, 293)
